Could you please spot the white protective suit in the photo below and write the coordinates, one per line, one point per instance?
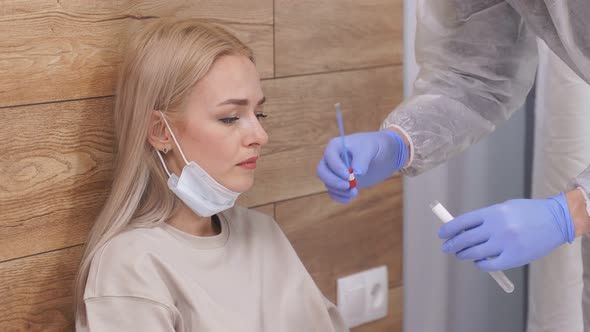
(478, 60)
(562, 150)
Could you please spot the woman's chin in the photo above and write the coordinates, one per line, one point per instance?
(240, 184)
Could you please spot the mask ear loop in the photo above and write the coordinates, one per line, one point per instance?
(175, 142)
(173, 137)
(163, 163)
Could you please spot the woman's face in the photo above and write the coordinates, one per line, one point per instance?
(220, 127)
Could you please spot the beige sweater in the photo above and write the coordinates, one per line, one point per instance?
(247, 278)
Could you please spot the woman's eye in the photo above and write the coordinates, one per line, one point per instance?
(229, 120)
(233, 119)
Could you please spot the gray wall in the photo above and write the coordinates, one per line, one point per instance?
(441, 293)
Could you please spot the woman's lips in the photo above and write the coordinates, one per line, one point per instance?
(249, 163)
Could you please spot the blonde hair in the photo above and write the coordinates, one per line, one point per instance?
(163, 62)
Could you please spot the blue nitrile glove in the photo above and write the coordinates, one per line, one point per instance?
(374, 156)
(510, 234)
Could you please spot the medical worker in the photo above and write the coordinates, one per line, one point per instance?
(477, 61)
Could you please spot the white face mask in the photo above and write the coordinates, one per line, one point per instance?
(196, 188)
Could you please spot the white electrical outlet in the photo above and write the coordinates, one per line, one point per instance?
(362, 297)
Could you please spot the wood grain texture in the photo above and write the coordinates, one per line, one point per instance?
(70, 49)
(36, 292)
(335, 240)
(238, 11)
(56, 157)
(55, 171)
(302, 120)
(59, 162)
(319, 36)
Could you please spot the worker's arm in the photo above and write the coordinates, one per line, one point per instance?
(477, 64)
(580, 217)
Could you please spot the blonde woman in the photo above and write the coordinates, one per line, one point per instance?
(170, 251)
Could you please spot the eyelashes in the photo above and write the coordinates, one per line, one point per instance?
(229, 120)
(233, 119)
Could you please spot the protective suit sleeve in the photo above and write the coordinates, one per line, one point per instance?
(582, 181)
(477, 64)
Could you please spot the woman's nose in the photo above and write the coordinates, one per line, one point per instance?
(257, 135)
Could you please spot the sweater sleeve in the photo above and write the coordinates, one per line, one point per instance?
(125, 313)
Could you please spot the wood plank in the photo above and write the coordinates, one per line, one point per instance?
(319, 36)
(260, 39)
(36, 292)
(59, 161)
(302, 120)
(238, 11)
(266, 209)
(394, 319)
(335, 240)
(70, 49)
(54, 174)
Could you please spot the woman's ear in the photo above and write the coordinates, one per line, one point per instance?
(158, 134)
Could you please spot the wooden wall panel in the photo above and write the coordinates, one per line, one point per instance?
(302, 120)
(334, 240)
(36, 292)
(52, 51)
(59, 164)
(318, 36)
(239, 11)
(266, 209)
(55, 171)
(56, 160)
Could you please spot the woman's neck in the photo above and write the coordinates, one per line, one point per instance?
(189, 222)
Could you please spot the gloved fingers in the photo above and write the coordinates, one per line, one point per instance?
(465, 240)
(462, 223)
(341, 188)
(362, 157)
(479, 252)
(334, 159)
(331, 180)
(344, 199)
(492, 264)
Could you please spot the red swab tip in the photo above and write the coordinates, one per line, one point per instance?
(351, 179)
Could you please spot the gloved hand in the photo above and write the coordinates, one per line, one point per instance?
(373, 156)
(510, 234)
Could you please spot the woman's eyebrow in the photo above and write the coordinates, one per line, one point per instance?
(240, 102)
